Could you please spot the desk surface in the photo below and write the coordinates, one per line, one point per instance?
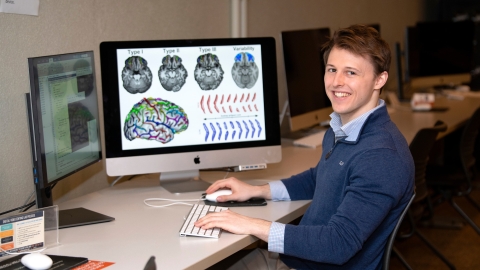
(139, 231)
(459, 111)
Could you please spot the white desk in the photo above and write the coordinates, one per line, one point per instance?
(139, 231)
(458, 113)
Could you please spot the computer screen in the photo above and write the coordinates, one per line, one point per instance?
(304, 70)
(63, 119)
(178, 106)
(443, 51)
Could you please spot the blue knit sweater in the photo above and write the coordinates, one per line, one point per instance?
(358, 191)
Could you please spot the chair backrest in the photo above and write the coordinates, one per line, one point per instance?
(151, 265)
(467, 141)
(391, 239)
(420, 148)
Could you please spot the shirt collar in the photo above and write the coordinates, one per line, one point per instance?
(351, 130)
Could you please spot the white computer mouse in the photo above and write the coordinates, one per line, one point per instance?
(36, 261)
(213, 196)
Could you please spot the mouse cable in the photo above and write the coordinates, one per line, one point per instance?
(20, 253)
(170, 200)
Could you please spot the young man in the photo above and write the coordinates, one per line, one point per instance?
(363, 181)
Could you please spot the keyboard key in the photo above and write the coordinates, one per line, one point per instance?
(198, 211)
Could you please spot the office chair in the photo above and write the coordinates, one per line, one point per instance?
(455, 180)
(420, 148)
(151, 265)
(389, 246)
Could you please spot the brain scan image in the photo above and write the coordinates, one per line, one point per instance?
(244, 70)
(136, 75)
(208, 72)
(172, 73)
(155, 119)
(79, 116)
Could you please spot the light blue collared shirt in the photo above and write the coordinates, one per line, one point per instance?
(350, 132)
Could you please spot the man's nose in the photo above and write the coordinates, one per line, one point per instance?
(339, 79)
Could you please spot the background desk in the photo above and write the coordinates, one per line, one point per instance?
(458, 113)
(139, 231)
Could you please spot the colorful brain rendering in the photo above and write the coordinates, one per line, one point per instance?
(244, 70)
(136, 75)
(155, 119)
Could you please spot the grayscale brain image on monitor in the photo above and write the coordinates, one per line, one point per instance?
(213, 104)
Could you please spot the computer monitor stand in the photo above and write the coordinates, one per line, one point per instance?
(70, 217)
(183, 181)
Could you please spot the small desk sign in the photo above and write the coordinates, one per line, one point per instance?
(25, 7)
(423, 101)
(21, 233)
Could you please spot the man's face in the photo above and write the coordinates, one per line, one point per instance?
(351, 84)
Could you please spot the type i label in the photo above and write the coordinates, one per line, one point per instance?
(135, 52)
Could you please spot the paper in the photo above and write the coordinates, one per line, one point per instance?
(26, 7)
(422, 101)
(22, 232)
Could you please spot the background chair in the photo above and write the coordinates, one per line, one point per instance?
(421, 207)
(454, 177)
(389, 246)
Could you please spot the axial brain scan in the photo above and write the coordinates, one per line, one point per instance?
(244, 70)
(208, 72)
(136, 75)
(172, 73)
(155, 119)
(79, 117)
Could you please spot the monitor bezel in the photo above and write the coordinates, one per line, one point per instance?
(111, 99)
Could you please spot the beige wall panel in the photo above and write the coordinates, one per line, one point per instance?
(79, 25)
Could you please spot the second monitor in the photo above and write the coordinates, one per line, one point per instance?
(304, 70)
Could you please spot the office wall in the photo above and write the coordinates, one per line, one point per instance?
(78, 25)
(270, 17)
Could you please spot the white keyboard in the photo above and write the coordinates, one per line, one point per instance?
(197, 212)
(312, 140)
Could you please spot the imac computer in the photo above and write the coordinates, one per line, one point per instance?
(439, 54)
(63, 118)
(304, 71)
(179, 106)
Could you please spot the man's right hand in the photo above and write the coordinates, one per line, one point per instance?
(241, 191)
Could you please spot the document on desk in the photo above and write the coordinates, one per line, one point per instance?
(312, 141)
(23, 232)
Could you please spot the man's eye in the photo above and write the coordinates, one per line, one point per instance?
(331, 70)
(350, 73)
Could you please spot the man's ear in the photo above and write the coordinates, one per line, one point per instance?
(381, 80)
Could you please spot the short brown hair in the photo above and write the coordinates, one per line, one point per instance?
(364, 41)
